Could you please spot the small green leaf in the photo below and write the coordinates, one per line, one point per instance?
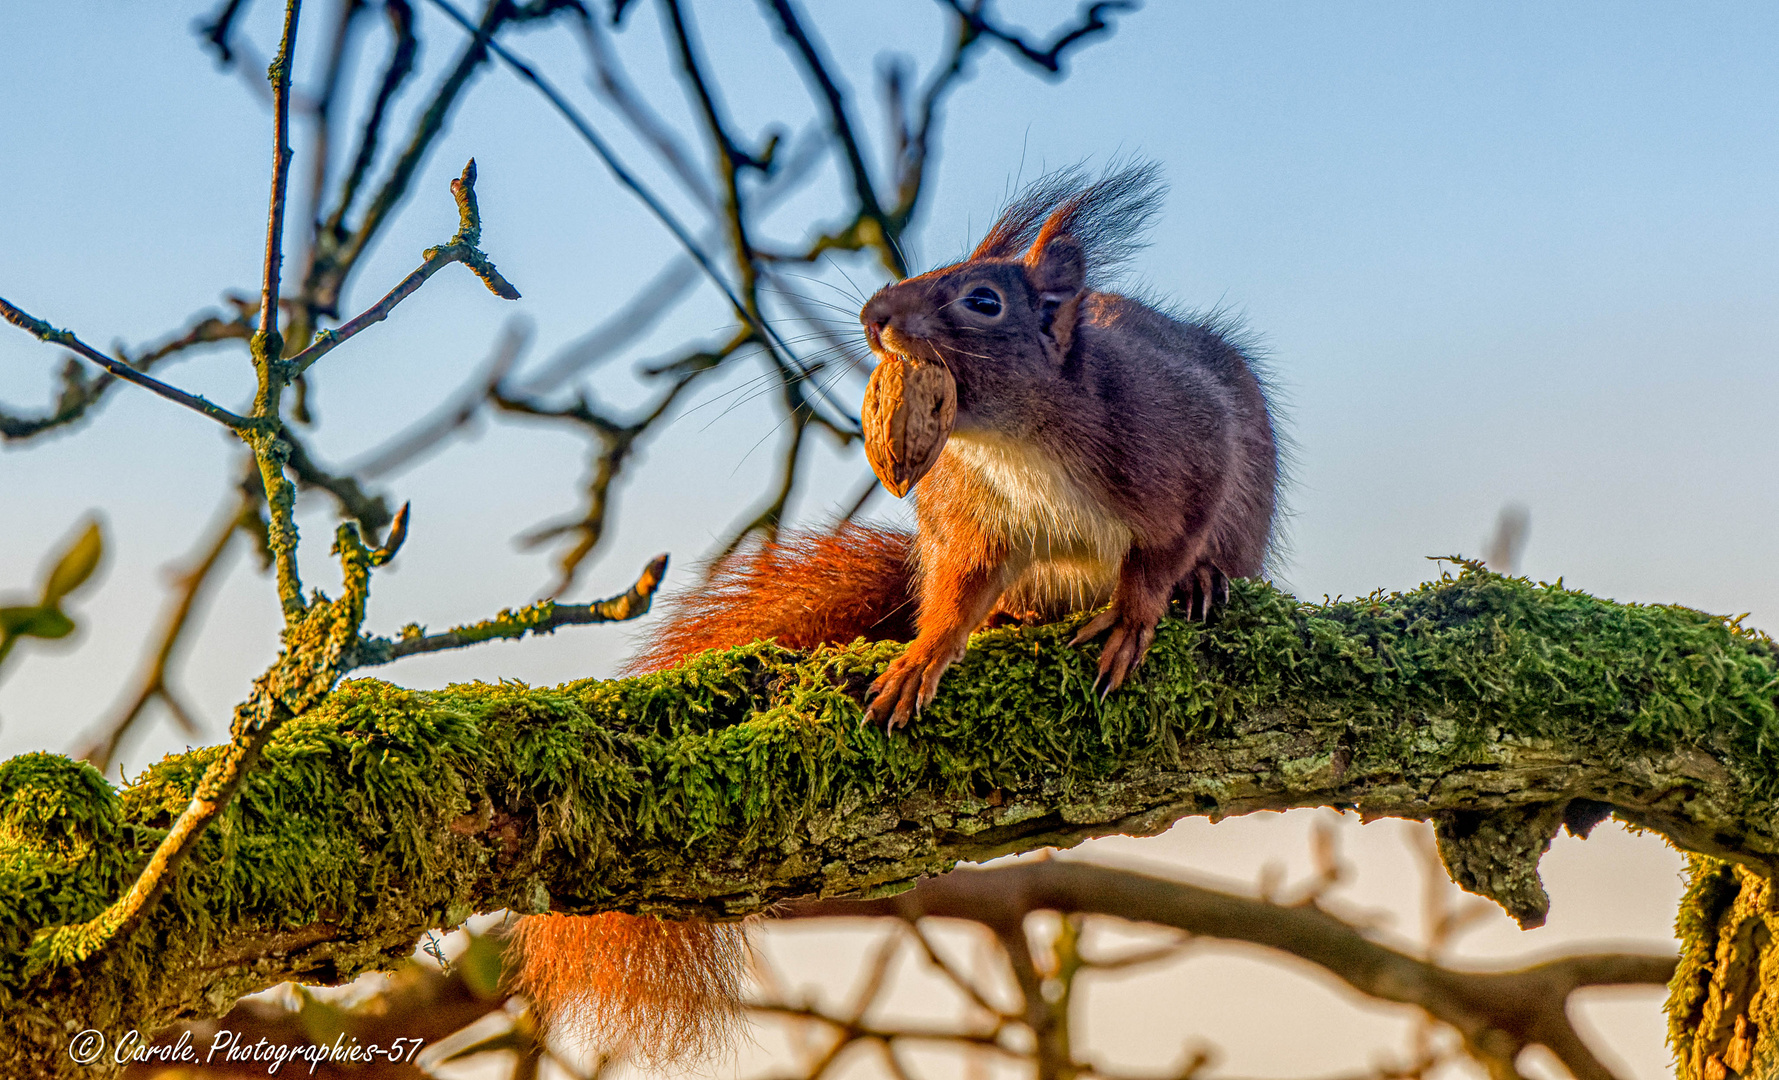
(49, 623)
(74, 567)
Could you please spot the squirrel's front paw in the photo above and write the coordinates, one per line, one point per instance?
(1129, 639)
(906, 687)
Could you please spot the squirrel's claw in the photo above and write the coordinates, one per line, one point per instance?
(1207, 591)
(1129, 640)
(907, 686)
(1123, 652)
(1096, 626)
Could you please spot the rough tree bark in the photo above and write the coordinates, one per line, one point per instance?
(1498, 709)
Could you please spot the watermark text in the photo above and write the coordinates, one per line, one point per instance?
(226, 1047)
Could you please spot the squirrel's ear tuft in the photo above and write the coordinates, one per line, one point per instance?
(1106, 217)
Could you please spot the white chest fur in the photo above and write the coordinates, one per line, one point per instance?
(1072, 546)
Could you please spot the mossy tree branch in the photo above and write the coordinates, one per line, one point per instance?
(744, 778)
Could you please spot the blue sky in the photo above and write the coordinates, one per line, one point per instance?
(1495, 253)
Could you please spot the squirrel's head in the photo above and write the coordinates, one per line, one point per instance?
(1004, 321)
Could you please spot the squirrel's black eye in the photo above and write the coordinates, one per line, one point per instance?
(984, 301)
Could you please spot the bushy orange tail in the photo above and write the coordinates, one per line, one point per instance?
(802, 590)
(650, 989)
(662, 990)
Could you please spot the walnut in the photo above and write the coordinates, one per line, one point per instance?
(910, 407)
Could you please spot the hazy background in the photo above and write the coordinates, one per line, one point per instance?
(1498, 254)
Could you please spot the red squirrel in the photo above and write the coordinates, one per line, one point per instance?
(1106, 453)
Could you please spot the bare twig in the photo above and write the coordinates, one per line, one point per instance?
(615, 87)
(370, 511)
(617, 440)
(1498, 1013)
(461, 248)
(401, 65)
(767, 336)
(623, 175)
(336, 260)
(1092, 21)
(79, 393)
(45, 332)
(816, 70)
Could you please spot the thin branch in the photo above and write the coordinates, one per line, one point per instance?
(321, 144)
(964, 984)
(401, 65)
(853, 1030)
(767, 520)
(45, 332)
(617, 440)
(768, 337)
(279, 77)
(1092, 21)
(657, 297)
(219, 30)
(641, 314)
(543, 617)
(915, 148)
(1498, 1013)
(614, 85)
(370, 511)
(79, 393)
(269, 452)
(484, 39)
(327, 278)
(461, 248)
(815, 68)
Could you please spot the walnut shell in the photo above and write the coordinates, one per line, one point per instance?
(910, 406)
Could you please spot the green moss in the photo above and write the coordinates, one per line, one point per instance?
(382, 811)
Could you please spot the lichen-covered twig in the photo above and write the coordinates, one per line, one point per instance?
(279, 77)
(317, 651)
(543, 617)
